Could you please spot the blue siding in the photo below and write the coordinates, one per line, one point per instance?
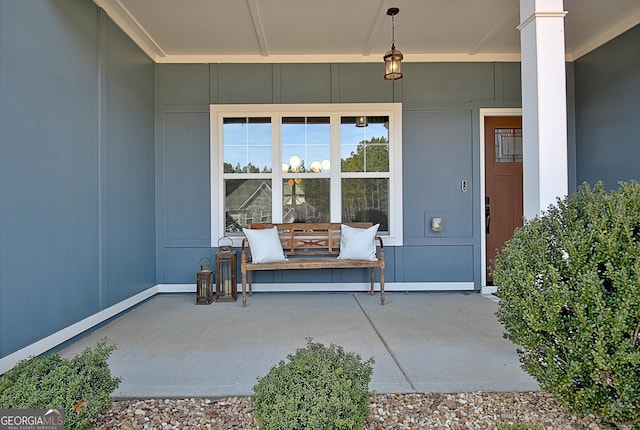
(448, 82)
(179, 264)
(77, 225)
(244, 83)
(607, 88)
(304, 83)
(186, 182)
(436, 264)
(440, 149)
(49, 219)
(437, 157)
(508, 81)
(129, 227)
(183, 179)
(363, 83)
(178, 91)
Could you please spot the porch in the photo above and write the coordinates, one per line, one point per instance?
(421, 342)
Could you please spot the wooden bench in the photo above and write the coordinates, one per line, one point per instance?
(310, 246)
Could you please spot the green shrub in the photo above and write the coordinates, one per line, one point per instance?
(319, 388)
(81, 385)
(519, 426)
(569, 283)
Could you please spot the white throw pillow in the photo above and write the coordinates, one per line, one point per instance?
(265, 245)
(358, 243)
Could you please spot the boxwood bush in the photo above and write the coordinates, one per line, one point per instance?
(81, 385)
(319, 388)
(569, 284)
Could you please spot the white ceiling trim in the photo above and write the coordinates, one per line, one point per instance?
(375, 28)
(257, 24)
(132, 28)
(430, 58)
(513, 22)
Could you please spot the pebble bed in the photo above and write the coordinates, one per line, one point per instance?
(477, 410)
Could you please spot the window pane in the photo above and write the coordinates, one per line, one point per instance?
(247, 145)
(364, 144)
(306, 144)
(366, 200)
(508, 145)
(305, 200)
(246, 201)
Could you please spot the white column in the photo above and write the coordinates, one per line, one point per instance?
(544, 104)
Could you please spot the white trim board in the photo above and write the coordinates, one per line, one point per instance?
(360, 286)
(332, 287)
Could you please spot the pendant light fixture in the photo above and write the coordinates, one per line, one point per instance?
(393, 58)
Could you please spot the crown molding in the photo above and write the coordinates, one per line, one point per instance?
(408, 58)
(131, 27)
(541, 14)
(257, 26)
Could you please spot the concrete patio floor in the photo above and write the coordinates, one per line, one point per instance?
(422, 342)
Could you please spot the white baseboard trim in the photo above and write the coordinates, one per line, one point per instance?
(61, 336)
(177, 288)
(429, 286)
(362, 286)
(328, 286)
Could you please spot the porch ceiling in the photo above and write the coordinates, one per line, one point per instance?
(352, 30)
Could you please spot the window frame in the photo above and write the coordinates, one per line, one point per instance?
(333, 110)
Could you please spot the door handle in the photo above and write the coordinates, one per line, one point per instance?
(487, 215)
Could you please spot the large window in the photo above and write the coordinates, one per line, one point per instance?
(306, 163)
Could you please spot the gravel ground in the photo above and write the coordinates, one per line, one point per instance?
(477, 410)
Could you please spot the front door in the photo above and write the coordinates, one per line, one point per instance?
(503, 183)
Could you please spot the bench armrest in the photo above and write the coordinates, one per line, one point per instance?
(245, 253)
(381, 245)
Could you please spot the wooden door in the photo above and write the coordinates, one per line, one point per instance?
(503, 183)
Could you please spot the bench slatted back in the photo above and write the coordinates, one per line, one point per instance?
(310, 238)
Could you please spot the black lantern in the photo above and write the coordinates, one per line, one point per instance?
(204, 283)
(226, 279)
(393, 58)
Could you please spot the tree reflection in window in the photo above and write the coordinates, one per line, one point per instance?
(365, 170)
